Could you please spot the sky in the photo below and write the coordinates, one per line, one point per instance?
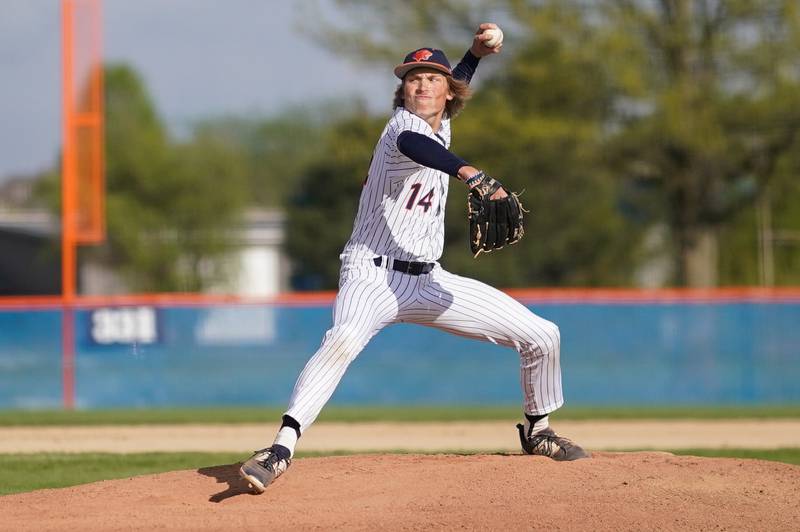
(198, 58)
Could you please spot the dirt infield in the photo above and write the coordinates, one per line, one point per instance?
(611, 491)
(486, 436)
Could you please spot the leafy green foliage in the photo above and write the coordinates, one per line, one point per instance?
(539, 130)
(274, 151)
(621, 120)
(708, 146)
(170, 207)
(537, 127)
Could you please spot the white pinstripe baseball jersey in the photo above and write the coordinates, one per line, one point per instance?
(370, 298)
(401, 218)
(401, 210)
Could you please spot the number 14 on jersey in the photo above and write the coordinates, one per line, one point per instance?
(425, 201)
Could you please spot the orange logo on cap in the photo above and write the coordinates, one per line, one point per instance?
(423, 55)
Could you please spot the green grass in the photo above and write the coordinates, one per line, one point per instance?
(235, 415)
(789, 455)
(20, 472)
(28, 472)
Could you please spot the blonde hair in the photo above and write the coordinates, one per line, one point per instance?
(458, 88)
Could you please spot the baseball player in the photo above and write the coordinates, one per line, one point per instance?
(390, 273)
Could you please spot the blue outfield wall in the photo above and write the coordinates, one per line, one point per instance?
(612, 353)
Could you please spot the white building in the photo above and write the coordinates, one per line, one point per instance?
(30, 262)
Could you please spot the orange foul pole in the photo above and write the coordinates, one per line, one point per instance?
(82, 165)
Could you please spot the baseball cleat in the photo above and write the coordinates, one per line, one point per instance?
(548, 443)
(265, 466)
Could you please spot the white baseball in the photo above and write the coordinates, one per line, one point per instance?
(495, 37)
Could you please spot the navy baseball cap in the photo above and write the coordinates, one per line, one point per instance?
(424, 57)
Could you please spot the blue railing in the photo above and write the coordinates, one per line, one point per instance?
(615, 353)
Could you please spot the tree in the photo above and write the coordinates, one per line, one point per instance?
(170, 207)
(276, 150)
(690, 112)
(537, 126)
(707, 142)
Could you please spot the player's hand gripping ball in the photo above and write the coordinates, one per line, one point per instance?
(495, 37)
(493, 223)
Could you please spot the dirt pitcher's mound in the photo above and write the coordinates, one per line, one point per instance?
(611, 491)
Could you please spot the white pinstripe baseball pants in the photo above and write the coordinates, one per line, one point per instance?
(371, 297)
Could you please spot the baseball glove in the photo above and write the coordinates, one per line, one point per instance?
(492, 223)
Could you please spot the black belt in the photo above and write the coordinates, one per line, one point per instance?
(411, 268)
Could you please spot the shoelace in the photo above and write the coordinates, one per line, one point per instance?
(268, 461)
(552, 443)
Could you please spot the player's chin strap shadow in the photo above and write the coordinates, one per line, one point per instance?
(227, 474)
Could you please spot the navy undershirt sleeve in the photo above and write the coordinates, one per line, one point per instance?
(427, 152)
(465, 69)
